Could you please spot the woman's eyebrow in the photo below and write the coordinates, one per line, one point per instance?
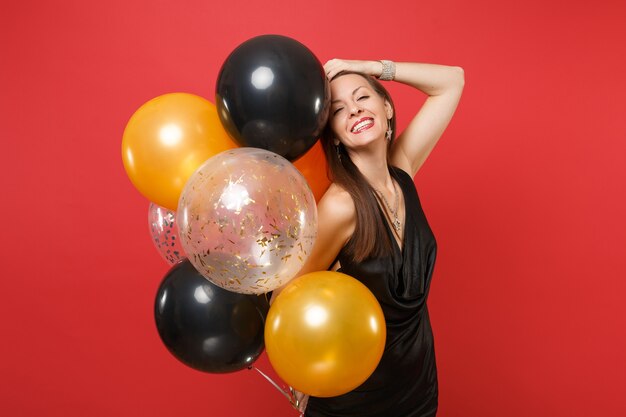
(353, 93)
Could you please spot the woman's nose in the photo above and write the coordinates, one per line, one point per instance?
(355, 110)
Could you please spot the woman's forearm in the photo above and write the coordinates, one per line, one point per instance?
(431, 79)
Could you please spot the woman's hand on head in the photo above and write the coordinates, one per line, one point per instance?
(335, 66)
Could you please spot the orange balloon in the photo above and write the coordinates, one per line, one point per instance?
(312, 165)
(166, 140)
(325, 334)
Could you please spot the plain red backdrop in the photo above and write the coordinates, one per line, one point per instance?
(525, 193)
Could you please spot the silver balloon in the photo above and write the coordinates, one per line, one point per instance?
(164, 232)
(247, 220)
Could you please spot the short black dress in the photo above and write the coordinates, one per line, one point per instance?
(405, 382)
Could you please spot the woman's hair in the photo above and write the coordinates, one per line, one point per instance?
(370, 238)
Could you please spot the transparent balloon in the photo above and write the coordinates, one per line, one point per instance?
(247, 220)
(164, 233)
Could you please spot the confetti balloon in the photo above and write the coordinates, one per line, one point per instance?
(164, 232)
(247, 220)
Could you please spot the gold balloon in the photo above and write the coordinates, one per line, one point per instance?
(325, 334)
(166, 140)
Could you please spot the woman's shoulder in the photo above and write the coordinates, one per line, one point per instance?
(336, 208)
(338, 197)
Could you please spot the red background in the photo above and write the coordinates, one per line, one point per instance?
(525, 193)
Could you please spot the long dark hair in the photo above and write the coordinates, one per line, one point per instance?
(370, 238)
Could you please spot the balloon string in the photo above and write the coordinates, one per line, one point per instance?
(288, 394)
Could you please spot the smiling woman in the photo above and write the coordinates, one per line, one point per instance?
(360, 106)
(372, 227)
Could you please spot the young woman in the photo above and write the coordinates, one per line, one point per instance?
(372, 227)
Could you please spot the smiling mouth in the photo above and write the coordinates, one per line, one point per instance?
(362, 124)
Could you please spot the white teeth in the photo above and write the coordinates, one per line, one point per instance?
(362, 124)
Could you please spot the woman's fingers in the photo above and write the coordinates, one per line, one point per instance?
(303, 402)
(335, 66)
(301, 399)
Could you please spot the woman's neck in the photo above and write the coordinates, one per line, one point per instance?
(374, 168)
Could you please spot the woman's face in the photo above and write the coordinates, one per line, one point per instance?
(358, 114)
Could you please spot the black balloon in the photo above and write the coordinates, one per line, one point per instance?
(272, 93)
(206, 327)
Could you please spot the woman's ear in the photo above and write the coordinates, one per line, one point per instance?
(388, 110)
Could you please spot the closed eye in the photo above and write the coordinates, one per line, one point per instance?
(362, 98)
(337, 110)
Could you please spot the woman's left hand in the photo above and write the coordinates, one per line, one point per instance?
(335, 66)
(300, 400)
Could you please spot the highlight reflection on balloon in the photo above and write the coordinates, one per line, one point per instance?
(325, 333)
(164, 233)
(247, 220)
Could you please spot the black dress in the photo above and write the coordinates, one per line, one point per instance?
(405, 382)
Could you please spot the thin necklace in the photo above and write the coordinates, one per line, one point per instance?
(394, 212)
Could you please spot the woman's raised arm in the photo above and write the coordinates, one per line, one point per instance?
(443, 85)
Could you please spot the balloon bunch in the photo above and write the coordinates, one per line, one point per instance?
(237, 220)
(227, 209)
